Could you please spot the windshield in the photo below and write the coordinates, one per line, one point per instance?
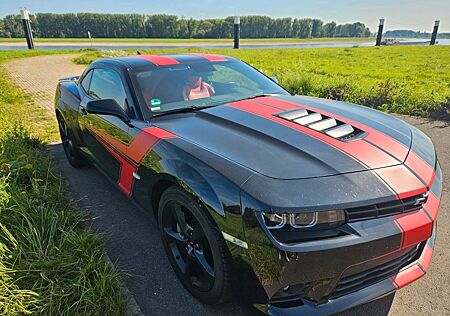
(201, 84)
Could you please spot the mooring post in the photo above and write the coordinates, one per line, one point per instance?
(27, 27)
(237, 31)
(435, 31)
(380, 32)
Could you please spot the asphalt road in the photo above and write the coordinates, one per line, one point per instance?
(133, 243)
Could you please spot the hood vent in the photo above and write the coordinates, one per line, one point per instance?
(324, 124)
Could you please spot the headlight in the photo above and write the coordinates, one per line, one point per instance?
(305, 220)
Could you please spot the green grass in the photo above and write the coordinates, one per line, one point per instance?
(10, 54)
(193, 40)
(413, 80)
(50, 263)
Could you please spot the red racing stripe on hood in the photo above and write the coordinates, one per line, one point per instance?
(388, 144)
(402, 181)
(421, 168)
(370, 156)
(159, 60)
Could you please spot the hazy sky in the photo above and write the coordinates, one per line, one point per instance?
(405, 14)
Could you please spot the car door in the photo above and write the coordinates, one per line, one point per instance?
(105, 136)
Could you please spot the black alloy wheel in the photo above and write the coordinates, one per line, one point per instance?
(70, 148)
(195, 247)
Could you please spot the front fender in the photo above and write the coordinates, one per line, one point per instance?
(192, 180)
(168, 162)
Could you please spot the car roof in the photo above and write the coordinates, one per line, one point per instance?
(136, 61)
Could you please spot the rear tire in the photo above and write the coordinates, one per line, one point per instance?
(70, 147)
(195, 247)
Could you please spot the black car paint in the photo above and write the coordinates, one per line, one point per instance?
(230, 170)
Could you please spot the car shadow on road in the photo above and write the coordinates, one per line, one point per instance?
(133, 244)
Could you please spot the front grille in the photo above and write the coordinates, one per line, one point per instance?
(355, 282)
(386, 209)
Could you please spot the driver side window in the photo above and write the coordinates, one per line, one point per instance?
(107, 84)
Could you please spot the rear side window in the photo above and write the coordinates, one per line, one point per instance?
(106, 84)
(86, 81)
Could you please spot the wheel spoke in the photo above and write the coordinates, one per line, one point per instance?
(63, 128)
(198, 234)
(187, 266)
(189, 245)
(181, 219)
(204, 265)
(173, 236)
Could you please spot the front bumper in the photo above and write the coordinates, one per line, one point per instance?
(313, 277)
(407, 275)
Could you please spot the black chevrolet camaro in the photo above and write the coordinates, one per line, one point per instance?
(296, 204)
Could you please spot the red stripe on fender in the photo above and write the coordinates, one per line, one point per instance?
(421, 168)
(402, 181)
(385, 142)
(425, 258)
(146, 139)
(210, 57)
(407, 276)
(139, 146)
(416, 227)
(369, 155)
(126, 179)
(432, 205)
(159, 60)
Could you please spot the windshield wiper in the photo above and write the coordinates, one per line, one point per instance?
(192, 108)
(258, 95)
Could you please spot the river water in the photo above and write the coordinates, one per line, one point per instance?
(98, 45)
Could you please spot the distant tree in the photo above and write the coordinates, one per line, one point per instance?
(329, 29)
(316, 28)
(204, 28)
(255, 26)
(302, 28)
(170, 26)
(2, 30)
(13, 26)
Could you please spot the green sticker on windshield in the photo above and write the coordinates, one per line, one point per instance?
(155, 104)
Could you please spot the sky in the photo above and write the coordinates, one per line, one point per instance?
(417, 15)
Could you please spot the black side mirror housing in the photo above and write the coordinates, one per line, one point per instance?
(107, 107)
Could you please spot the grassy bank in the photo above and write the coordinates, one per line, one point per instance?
(194, 40)
(411, 80)
(50, 263)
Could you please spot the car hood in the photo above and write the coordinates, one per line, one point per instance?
(252, 134)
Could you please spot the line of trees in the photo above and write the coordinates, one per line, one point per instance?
(413, 34)
(77, 25)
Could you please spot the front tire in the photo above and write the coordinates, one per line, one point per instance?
(195, 247)
(70, 147)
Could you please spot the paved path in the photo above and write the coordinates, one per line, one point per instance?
(39, 75)
(133, 243)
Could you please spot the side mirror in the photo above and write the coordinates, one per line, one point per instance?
(274, 79)
(107, 107)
